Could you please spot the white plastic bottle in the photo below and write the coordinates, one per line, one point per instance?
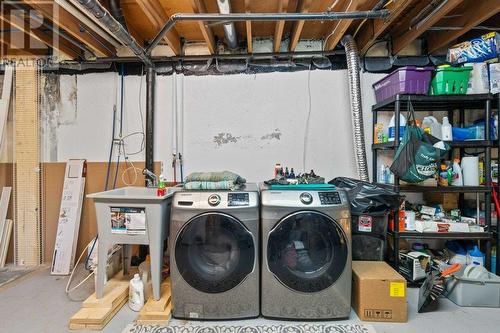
(381, 175)
(433, 125)
(136, 293)
(446, 131)
(392, 127)
(458, 179)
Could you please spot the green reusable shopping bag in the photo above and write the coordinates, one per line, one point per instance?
(417, 158)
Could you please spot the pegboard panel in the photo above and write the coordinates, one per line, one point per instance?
(28, 227)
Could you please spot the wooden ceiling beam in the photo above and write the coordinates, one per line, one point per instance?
(280, 25)
(156, 14)
(208, 35)
(45, 37)
(72, 26)
(413, 32)
(248, 25)
(303, 7)
(334, 37)
(474, 14)
(374, 29)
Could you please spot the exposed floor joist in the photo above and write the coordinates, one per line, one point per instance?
(340, 28)
(280, 25)
(248, 25)
(70, 24)
(208, 35)
(474, 14)
(375, 29)
(410, 33)
(303, 7)
(43, 36)
(157, 16)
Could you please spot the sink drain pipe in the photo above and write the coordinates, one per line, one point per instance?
(353, 68)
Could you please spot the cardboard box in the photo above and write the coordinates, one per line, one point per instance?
(378, 292)
(448, 200)
(445, 226)
(494, 71)
(414, 265)
(477, 49)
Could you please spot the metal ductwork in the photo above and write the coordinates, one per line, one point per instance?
(117, 12)
(353, 70)
(229, 29)
(94, 7)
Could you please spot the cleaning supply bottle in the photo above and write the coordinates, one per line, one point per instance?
(446, 131)
(136, 293)
(392, 127)
(458, 179)
(443, 175)
(432, 126)
(475, 257)
(381, 174)
(494, 260)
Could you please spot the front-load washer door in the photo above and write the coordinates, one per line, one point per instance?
(307, 251)
(214, 252)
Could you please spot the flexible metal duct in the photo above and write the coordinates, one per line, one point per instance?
(94, 7)
(353, 69)
(229, 29)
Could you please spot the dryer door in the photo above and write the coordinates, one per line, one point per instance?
(307, 251)
(214, 252)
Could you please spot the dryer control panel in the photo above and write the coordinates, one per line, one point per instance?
(329, 198)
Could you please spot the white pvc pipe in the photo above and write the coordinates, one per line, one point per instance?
(174, 114)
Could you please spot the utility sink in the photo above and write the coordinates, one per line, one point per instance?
(132, 193)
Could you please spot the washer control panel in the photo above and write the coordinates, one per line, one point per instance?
(329, 198)
(238, 199)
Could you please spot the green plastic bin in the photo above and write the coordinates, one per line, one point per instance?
(450, 81)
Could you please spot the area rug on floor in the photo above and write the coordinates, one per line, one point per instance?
(272, 328)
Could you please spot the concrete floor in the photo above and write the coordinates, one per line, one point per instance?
(38, 303)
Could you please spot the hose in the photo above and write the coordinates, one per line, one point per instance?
(353, 69)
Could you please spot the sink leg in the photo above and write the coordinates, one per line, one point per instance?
(102, 253)
(155, 252)
(127, 257)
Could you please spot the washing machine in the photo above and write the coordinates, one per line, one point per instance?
(306, 254)
(214, 247)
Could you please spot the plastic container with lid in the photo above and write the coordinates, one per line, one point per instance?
(404, 80)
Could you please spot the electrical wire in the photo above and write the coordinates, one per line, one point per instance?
(335, 29)
(68, 289)
(306, 132)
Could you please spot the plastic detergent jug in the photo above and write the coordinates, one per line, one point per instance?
(431, 125)
(475, 257)
(136, 293)
(457, 179)
(446, 131)
(392, 127)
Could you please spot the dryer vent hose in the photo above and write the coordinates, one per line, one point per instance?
(353, 68)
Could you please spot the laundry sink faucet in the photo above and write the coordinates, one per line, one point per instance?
(151, 178)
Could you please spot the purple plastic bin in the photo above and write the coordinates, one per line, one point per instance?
(404, 80)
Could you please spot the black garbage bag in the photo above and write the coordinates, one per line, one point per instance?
(366, 197)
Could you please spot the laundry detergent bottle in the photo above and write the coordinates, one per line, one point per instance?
(392, 127)
(136, 294)
(475, 257)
